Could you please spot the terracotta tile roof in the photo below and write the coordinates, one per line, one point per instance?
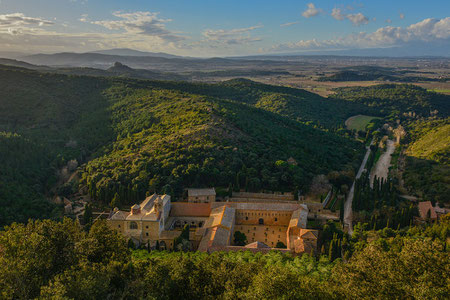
(309, 233)
(260, 206)
(187, 209)
(423, 210)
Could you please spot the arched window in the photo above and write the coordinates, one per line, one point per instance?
(261, 221)
(162, 245)
(133, 225)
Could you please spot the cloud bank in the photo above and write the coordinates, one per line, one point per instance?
(426, 31)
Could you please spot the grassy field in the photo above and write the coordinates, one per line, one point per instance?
(432, 145)
(442, 91)
(359, 122)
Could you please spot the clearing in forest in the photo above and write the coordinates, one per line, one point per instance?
(359, 122)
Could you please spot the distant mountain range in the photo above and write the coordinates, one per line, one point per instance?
(131, 52)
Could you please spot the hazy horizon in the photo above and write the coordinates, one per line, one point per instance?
(203, 29)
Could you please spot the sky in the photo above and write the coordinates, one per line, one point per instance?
(206, 28)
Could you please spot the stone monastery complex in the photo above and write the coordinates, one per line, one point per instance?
(267, 220)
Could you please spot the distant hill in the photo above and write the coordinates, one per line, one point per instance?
(131, 52)
(172, 64)
(20, 64)
(121, 70)
(397, 100)
(366, 73)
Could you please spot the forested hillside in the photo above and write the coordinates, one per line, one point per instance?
(140, 136)
(395, 100)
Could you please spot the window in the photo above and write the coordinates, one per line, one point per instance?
(162, 245)
(276, 219)
(118, 226)
(146, 233)
(133, 225)
(246, 218)
(146, 227)
(261, 221)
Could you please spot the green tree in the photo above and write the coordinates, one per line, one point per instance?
(115, 202)
(280, 245)
(240, 239)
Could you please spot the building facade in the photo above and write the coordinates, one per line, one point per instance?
(213, 224)
(202, 195)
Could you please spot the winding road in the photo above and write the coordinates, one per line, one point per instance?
(348, 202)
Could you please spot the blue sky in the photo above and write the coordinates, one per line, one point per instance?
(220, 28)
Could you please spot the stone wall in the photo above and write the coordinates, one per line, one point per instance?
(268, 217)
(269, 235)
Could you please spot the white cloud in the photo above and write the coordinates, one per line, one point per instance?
(356, 19)
(20, 20)
(289, 24)
(337, 14)
(426, 31)
(231, 37)
(143, 23)
(311, 11)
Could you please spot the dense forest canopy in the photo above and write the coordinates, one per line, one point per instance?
(140, 136)
(74, 264)
(395, 100)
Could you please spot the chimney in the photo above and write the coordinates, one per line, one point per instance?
(135, 209)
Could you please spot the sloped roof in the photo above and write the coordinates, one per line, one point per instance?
(201, 192)
(147, 204)
(299, 217)
(221, 216)
(187, 209)
(257, 245)
(119, 215)
(260, 206)
(309, 233)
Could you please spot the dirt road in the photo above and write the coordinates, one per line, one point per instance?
(381, 169)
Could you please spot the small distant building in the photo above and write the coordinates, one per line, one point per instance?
(426, 211)
(202, 195)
